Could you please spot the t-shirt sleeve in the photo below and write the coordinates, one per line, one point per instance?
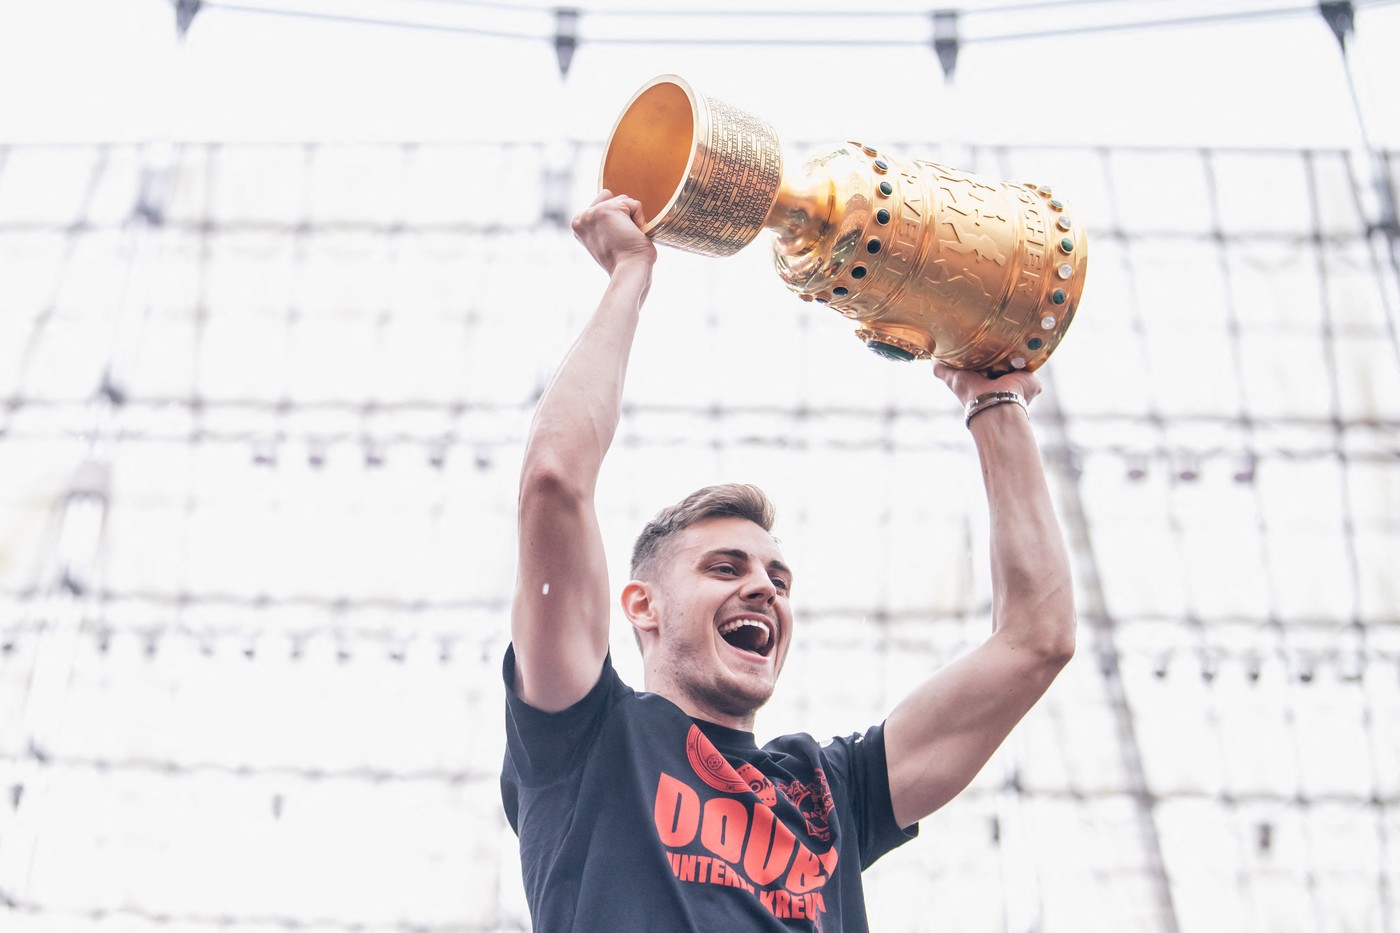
(859, 762)
(543, 747)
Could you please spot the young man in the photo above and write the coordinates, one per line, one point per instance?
(656, 811)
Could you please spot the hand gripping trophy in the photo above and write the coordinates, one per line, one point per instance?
(930, 262)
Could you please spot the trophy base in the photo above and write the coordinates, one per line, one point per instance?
(892, 347)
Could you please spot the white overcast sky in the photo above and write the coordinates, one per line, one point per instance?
(112, 70)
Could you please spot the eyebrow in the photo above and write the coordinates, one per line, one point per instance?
(741, 554)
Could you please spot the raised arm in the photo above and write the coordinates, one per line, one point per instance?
(559, 617)
(941, 735)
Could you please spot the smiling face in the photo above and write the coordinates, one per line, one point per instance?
(714, 619)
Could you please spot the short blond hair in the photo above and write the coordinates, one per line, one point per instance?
(739, 500)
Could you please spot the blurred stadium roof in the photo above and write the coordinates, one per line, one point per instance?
(279, 294)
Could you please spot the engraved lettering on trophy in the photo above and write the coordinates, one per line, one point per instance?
(1035, 245)
(731, 197)
(906, 246)
(1029, 284)
(908, 225)
(1035, 233)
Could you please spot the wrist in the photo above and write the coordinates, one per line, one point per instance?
(993, 399)
(630, 277)
(632, 264)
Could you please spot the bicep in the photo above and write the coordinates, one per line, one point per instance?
(941, 735)
(559, 616)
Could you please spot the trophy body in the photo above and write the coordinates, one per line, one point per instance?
(928, 261)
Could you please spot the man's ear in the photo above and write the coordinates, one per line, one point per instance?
(639, 606)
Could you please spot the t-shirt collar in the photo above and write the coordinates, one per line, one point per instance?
(726, 739)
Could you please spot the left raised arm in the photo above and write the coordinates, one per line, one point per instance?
(941, 735)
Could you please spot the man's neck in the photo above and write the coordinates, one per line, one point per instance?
(698, 710)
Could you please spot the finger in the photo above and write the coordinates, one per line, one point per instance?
(1030, 386)
(594, 210)
(634, 210)
(949, 374)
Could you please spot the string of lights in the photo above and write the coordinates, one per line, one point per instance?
(309, 778)
(255, 407)
(27, 603)
(198, 769)
(1183, 462)
(807, 17)
(807, 9)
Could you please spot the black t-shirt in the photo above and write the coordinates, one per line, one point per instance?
(632, 816)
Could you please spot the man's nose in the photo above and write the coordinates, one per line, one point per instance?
(760, 588)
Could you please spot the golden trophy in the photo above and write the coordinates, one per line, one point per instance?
(930, 262)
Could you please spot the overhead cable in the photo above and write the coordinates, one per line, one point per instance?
(806, 18)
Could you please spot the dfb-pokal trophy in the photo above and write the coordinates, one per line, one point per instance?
(930, 262)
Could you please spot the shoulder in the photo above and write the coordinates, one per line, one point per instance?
(855, 761)
(869, 742)
(608, 685)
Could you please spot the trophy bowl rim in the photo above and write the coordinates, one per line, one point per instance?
(650, 223)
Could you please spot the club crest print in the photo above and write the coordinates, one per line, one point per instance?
(814, 801)
(715, 770)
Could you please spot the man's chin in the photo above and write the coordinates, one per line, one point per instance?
(726, 692)
(738, 700)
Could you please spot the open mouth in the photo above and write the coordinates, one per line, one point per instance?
(746, 634)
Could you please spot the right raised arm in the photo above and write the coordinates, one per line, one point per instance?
(559, 617)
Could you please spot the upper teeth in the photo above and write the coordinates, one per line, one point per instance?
(736, 624)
